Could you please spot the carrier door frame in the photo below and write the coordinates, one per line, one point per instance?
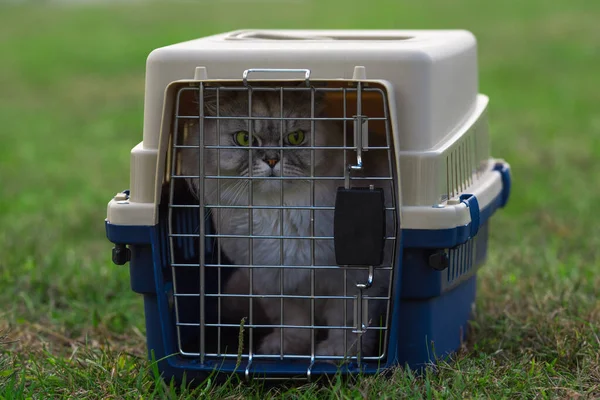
(163, 164)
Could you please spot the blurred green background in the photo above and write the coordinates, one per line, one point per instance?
(71, 102)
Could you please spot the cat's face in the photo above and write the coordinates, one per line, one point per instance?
(250, 145)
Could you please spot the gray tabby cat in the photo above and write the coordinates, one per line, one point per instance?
(297, 161)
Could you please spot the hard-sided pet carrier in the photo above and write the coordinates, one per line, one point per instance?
(308, 202)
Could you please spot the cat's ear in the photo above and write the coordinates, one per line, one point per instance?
(319, 101)
(210, 100)
(305, 96)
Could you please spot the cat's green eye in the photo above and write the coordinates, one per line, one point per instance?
(295, 138)
(241, 138)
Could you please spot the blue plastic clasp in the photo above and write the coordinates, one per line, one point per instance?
(506, 181)
(471, 202)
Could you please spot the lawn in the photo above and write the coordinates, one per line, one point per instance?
(71, 101)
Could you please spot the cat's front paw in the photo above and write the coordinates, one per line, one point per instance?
(335, 347)
(271, 344)
(330, 348)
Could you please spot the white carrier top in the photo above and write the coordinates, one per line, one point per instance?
(433, 73)
(439, 120)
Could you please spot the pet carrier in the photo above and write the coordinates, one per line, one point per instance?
(308, 202)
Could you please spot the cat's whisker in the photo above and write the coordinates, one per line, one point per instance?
(232, 191)
(231, 196)
(224, 192)
(240, 190)
(229, 189)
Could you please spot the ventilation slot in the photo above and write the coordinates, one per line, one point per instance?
(460, 167)
(462, 260)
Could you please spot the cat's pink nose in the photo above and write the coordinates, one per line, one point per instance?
(271, 162)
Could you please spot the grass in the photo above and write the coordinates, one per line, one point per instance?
(71, 101)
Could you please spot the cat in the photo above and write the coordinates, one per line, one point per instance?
(294, 161)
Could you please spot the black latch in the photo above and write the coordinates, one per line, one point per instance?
(439, 260)
(121, 254)
(359, 226)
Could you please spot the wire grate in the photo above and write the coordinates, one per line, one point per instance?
(271, 238)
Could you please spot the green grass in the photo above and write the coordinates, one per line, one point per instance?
(71, 100)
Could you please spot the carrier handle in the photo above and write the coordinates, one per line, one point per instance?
(276, 70)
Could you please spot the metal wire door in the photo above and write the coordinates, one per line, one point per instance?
(273, 224)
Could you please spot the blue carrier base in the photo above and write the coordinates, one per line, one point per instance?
(430, 312)
(427, 330)
(422, 329)
(442, 328)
